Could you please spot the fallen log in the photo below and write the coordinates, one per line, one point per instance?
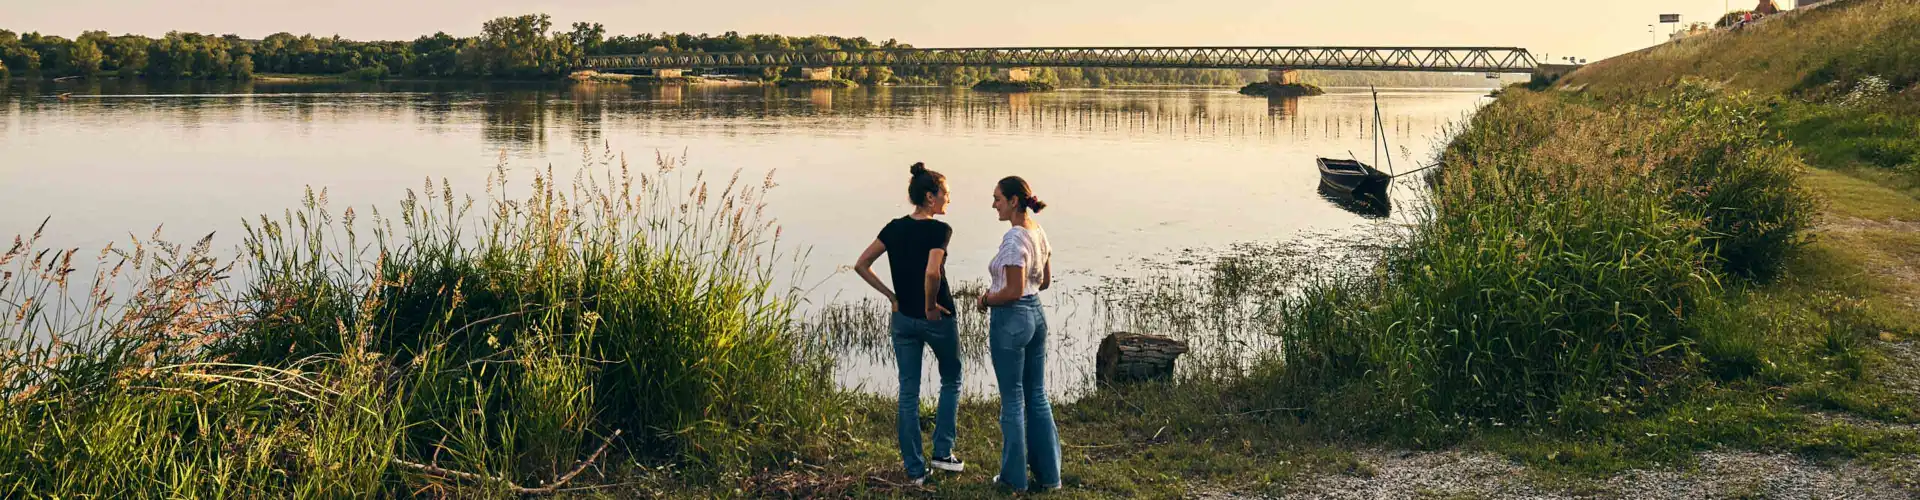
(1132, 357)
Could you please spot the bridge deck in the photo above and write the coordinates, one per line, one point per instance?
(1440, 59)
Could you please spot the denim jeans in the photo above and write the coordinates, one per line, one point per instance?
(1017, 337)
(911, 338)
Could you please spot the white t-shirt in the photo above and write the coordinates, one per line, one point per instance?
(1023, 247)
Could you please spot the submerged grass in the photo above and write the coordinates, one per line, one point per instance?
(443, 352)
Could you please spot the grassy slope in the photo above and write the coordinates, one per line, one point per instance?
(1817, 56)
(1865, 252)
(1791, 54)
(1811, 59)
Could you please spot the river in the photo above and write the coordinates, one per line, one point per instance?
(1132, 176)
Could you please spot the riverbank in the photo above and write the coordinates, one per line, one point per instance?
(1738, 313)
(1557, 327)
(1810, 389)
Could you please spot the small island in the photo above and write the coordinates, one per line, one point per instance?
(1270, 89)
(831, 83)
(1013, 87)
(589, 76)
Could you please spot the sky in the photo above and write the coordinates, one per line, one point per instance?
(1551, 29)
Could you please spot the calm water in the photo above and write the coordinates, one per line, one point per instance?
(1129, 174)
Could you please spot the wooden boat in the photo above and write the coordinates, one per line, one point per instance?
(1371, 204)
(1347, 176)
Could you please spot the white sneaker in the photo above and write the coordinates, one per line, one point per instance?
(918, 481)
(949, 464)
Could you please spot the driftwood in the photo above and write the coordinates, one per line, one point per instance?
(435, 471)
(1132, 357)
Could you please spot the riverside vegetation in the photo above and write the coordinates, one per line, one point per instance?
(1663, 255)
(529, 47)
(428, 349)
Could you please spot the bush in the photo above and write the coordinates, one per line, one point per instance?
(1739, 177)
(369, 74)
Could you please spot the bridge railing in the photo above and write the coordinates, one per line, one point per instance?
(1446, 59)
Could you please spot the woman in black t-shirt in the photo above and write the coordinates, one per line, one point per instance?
(916, 248)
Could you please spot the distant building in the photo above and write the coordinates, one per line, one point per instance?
(1766, 8)
(1801, 4)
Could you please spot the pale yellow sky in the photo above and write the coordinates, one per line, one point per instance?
(1554, 28)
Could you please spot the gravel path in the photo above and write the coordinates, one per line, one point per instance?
(1453, 474)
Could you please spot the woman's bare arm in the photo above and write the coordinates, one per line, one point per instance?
(1016, 286)
(936, 258)
(864, 268)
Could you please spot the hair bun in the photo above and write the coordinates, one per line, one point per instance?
(918, 169)
(1033, 202)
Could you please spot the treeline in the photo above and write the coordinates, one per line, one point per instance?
(509, 47)
(521, 47)
(177, 55)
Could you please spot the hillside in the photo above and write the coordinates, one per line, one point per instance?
(1817, 53)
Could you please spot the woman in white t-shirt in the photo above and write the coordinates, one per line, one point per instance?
(1017, 338)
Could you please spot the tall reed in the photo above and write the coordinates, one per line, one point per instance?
(431, 348)
(1567, 252)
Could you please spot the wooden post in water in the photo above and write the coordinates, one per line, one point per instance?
(1132, 357)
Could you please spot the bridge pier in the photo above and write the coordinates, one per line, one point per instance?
(1283, 76)
(1014, 74)
(816, 73)
(667, 73)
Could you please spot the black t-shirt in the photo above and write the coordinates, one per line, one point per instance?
(908, 241)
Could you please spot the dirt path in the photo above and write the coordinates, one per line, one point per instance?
(1454, 474)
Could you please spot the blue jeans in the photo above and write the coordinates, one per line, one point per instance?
(911, 338)
(1017, 337)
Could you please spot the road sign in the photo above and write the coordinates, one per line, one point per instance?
(1669, 18)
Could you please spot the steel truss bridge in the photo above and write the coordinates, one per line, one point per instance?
(1433, 59)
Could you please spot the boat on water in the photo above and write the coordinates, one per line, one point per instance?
(1349, 176)
(1371, 204)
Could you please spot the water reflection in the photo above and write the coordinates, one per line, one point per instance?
(1283, 107)
(515, 120)
(1369, 203)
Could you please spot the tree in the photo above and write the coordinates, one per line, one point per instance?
(588, 37)
(880, 74)
(52, 52)
(166, 59)
(243, 68)
(437, 55)
(86, 58)
(17, 55)
(512, 46)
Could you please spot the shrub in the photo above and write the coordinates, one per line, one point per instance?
(1731, 170)
(369, 74)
